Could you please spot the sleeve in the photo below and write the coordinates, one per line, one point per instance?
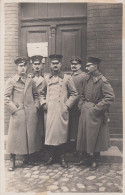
(35, 94)
(108, 96)
(7, 96)
(42, 93)
(73, 94)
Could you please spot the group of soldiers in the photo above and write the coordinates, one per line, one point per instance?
(50, 110)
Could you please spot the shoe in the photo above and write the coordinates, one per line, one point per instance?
(93, 167)
(84, 162)
(11, 165)
(63, 163)
(49, 162)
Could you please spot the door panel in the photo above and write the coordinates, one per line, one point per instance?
(70, 42)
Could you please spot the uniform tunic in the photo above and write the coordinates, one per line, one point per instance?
(57, 92)
(78, 78)
(21, 98)
(93, 132)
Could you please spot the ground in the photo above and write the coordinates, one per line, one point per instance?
(107, 178)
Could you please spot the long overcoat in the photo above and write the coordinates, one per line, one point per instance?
(21, 98)
(57, 92)
(74, 113)
(93, 132)
(40, 131)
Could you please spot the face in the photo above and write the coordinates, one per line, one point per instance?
(22, 68)
(55, 65)
(37, 67)
(90, 67)
(75, 66)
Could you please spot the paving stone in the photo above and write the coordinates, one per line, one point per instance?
(91, 177)
(70, 176)
(120, 172)
(73, 189)
(28, 175)
(99, 184)
(56, 183)
(53, 187)
(102, 189)
(35, 176)
(80, 185)
(34, 168)
(90, 188)
(65, 189)
(64, 179)
(44, 177)
(102, 177)
(36, 172)
(51, 174)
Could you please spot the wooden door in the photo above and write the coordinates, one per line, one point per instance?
(68, 40)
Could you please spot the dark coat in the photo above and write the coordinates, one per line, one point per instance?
(93, 132)
(78, 79)
(58, 93)
(22, 133)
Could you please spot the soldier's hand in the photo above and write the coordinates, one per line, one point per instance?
(65, 108)
(45, 107)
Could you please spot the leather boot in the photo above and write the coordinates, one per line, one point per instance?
(63, 162)
(12, 162)
(26, 159)
(51, 159)
(96, 161)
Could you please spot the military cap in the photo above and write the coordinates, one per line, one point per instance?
(36, 59)
(76, 59)
(94, 60)
(21, 60)
(56, 57)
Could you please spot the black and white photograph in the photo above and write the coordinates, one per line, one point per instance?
(62, 97)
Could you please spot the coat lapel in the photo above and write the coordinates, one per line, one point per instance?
(28, 80)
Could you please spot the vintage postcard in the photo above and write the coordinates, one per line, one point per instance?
(62, 97)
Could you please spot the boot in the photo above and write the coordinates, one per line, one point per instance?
(63, 162)
(86, 161)
(12, 162)
(51, 159)
(96, 161)
(26, 159)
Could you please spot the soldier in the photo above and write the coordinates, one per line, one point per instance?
(78, 77)
(57, 97)
(93, 133)
(21, 98)
(38, 79)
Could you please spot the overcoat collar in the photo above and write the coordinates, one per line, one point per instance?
(60, 74)
(76, 73)
(96, 76)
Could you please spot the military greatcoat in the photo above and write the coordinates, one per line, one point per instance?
(21, 98)
(57, 92)
(93, 132)
(78, 78)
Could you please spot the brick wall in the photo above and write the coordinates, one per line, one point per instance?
(104, 39)
(11, 44)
